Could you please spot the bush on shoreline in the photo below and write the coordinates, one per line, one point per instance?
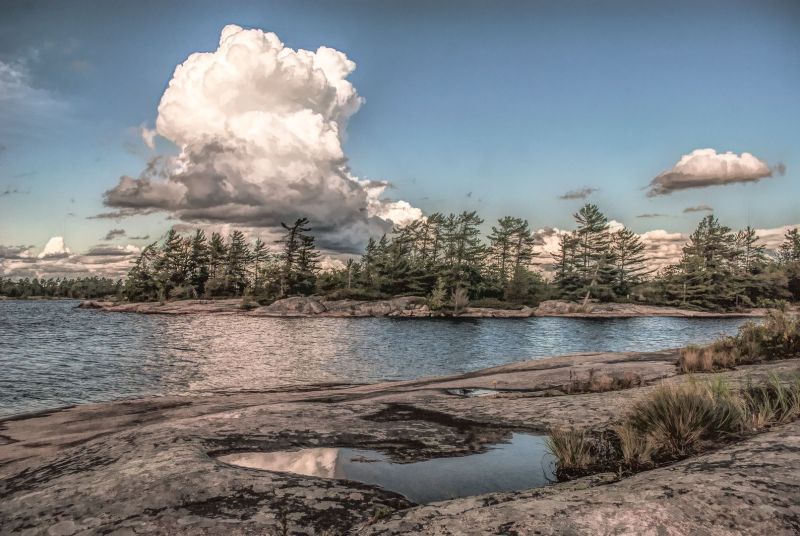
(777, 337)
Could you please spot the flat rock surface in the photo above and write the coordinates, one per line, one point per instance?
(149, 466)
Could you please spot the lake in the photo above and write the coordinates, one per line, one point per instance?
(52, 354)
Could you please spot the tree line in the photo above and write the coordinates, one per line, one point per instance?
(447, 258)
(80, 288)
(441, 255)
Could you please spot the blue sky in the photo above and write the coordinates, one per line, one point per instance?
(494, 106)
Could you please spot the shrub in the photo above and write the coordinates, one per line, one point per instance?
(678, 417)
(598, 383)
(718, 355)
(459, 299)
(436, 300)
(573, 450)
(778, 337)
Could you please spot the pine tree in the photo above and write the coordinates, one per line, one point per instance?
(299, 259)
(790, 248)
(630, 262)
(170, 266)
(706, 274)
(236, 263)
(260, 257)
(197, 265)
(464, 251)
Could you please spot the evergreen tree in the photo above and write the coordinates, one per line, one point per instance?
(237, 262)
(706, 271)
(299, 259)
(198, 263)
(630, 262)
(790, 248)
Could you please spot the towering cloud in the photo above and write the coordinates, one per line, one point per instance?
(706, 167)
(260, 127)
(55, 248)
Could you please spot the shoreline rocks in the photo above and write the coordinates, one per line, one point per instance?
(401, 307)
(149, 465)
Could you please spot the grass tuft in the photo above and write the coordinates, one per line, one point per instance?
(573, 450)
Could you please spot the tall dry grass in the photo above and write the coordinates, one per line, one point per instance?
(573, 450)
(675, 421)
(777, 337)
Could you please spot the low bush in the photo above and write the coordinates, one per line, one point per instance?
(603, 381)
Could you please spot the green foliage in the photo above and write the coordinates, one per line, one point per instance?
(57, 287)
(191, 267)
(436, 255)
(595, 262)
(438, 296)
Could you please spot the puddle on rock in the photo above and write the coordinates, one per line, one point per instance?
(522, 463)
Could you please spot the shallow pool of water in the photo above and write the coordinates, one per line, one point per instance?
(522, 463)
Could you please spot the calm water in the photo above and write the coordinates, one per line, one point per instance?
(52, 354)
(522, 463)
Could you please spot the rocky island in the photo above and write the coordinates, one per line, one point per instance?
(153, 465)
(404, 307)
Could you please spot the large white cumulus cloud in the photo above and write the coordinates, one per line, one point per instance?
(260, 127)
(706, 167)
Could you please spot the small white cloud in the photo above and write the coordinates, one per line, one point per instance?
(705, 167)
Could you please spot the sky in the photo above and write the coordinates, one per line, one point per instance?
(508, 108)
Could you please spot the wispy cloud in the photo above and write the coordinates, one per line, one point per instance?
(13, 191)
(581, 193)
(653, 215)
(698, 208)
(114, 233)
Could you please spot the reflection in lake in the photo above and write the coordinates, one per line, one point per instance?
(52, 354)
(522, 463)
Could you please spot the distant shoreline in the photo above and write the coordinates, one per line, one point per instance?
(404, 307)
